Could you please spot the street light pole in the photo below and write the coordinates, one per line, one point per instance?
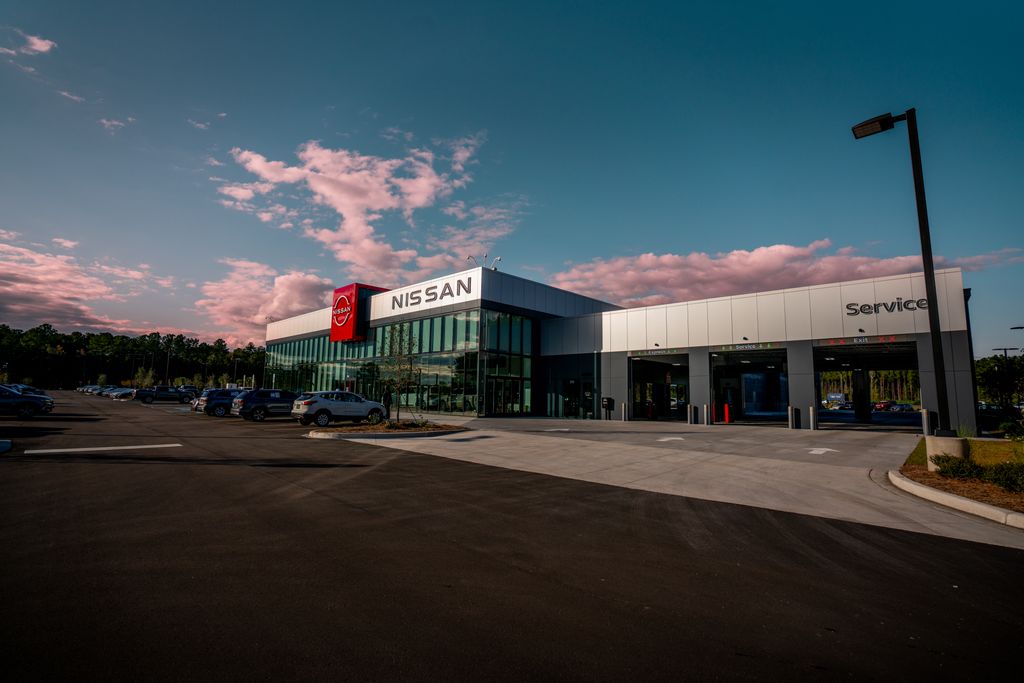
(1006, 350)
(878, 125)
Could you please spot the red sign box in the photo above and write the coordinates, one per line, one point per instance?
(348, 319)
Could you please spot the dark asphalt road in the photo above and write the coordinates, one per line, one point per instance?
(253, 553)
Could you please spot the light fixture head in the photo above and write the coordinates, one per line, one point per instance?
(878, 124)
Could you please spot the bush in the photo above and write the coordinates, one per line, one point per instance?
(394, 424)
(1009, 475)
(1013, 430)
(957, 468)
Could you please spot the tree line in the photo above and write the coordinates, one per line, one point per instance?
(47, 358)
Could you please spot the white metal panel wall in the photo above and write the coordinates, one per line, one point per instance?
(744, 320)
(771, 317)
(677, 329)
(636, 329)
(307, 323)
(656, 332)
(860, 293)
(697, 317)
(617, 322)
(826, 312)
(798, 313)
(720, 321)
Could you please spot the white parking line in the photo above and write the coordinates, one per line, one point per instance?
(104, 448)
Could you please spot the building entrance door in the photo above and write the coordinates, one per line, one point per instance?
(504, 396)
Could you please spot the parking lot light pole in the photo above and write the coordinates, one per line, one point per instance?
(1006, 350)
(877, 125)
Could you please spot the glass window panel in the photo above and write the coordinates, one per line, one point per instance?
(527, 366)
(527, 337)
(491, 329)
(473, 330)
(515, 365)
(517, 334)
(437, 328)
(460, 332)
(527, 396)
(503, 331)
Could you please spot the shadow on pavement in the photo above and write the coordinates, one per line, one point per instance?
(110, 459)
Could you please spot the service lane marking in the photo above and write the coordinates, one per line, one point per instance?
(102, 448)
(672, 438)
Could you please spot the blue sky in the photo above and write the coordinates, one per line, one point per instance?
(569, 138)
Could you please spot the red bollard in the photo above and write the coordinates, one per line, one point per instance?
(726, 413)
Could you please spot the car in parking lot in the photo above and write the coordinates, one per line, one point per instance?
(14, 402)
(216, 402)
(901, 408)
(124, 393)
(259, 404)
(883, 405)
(324, 407)
(162, 392)
(26, 389)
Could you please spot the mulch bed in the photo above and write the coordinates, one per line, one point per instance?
(981, 491)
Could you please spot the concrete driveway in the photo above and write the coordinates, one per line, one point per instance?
(830, 473)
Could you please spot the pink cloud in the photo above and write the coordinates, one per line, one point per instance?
(7, 51)
(67, 244)
(34, 45)
(201, 125)
(245, 191)
(361, 189)
(9, 235)
(650, 279)
(40, 287)
(252, 294)
(70, 96)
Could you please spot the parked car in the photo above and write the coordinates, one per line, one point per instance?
(26, 389)
(323, 407)
(901, 408)
(189, 388)
(162, 392)
(883, 405)
(122, 393)
(259, 404)
(23, 405)
(216, 402)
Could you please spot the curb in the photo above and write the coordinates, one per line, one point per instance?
(381, 435)
(951, 500)
(6, 445)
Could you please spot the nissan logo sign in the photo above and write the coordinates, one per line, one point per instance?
(342, 310)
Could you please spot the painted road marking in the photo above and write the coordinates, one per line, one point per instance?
(672, 438)
(103, 448)
(822, 451)
(556, 430)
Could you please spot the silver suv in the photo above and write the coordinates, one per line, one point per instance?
(323, 407)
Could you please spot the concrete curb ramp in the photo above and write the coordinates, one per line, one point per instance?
(381, 435)
(951, 500)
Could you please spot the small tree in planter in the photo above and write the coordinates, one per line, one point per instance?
(398, 362)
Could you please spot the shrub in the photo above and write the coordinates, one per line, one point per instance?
(957, 468)
(1013, 430)
(1008, 475)
(422, 423)
(394, 424)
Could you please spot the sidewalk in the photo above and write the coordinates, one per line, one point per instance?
(834, 474)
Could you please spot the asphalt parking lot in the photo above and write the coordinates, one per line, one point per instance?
(221, 548)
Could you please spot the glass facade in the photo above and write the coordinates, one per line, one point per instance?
(450, 370)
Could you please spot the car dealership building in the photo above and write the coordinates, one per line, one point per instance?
(484, 342)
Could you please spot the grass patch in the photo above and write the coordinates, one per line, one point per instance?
(918, 456)
(986, 452)
(982, 451)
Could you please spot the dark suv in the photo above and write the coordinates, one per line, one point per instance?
(162, 392)
(216, 402)
(259, 404)
(27, 405)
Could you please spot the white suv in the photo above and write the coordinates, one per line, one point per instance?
(323, 407)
